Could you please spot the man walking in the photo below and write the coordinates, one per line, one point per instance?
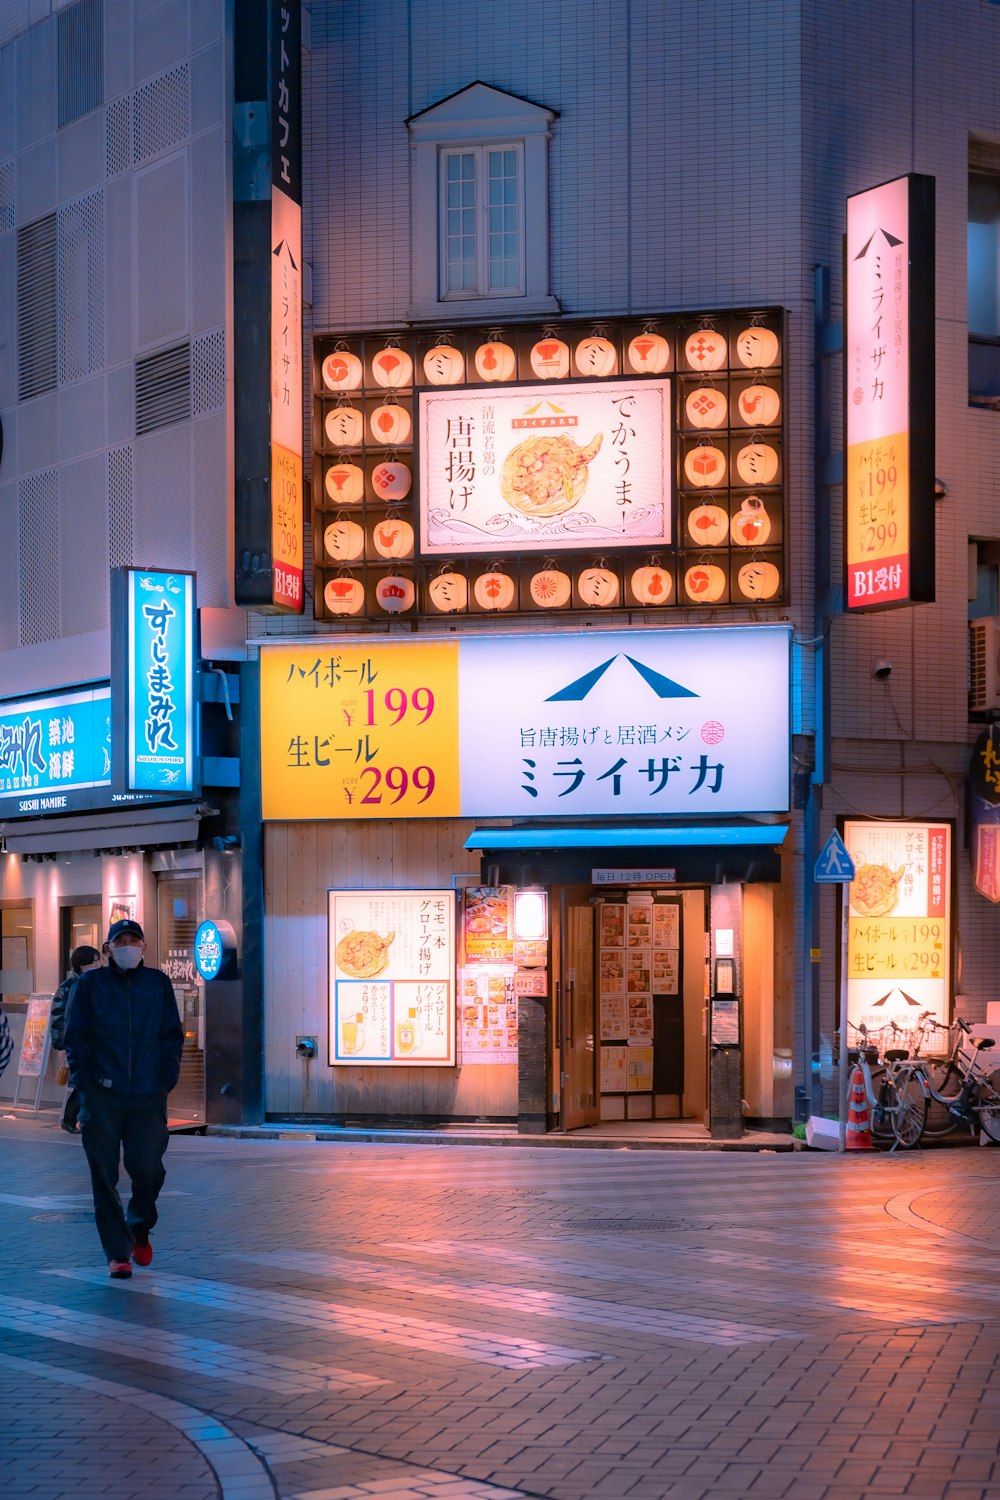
(123, 1042)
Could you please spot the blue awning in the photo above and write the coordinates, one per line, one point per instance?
(713, 835)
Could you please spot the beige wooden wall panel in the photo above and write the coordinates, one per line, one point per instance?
(695, 1006)
(758, 999)
(302, 861)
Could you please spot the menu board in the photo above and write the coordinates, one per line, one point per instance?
(392, 978)
(899, 922)
(488, 1015)
(614, 1072)
(640, 1068)
(31, 1062)
(488, 925)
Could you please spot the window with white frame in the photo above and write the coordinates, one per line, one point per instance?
(480, 206)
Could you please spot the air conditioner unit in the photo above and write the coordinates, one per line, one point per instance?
(984, 656)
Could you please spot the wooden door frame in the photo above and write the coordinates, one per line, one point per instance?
(559, 1053)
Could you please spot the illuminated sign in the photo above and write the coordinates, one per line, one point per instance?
(889, 395)
(899, 922)
(55, 752)
(154, 680)
(392, 978)
(537, 467)
(984, 813)
(688, 723)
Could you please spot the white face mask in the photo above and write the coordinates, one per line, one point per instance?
(127, 957)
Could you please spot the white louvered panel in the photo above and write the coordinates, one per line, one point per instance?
(37, 433)
(36, 107)
(36, 307)
(211, 487)
(118, 219)
(38, 555)
(83, 545)
(208, 372)
(207, 18)
(6, 197)
(121, 404)
(118, 136)
(208, 89)
(8, 282)
(10, 635)
(160, 114)
(81, 152)
(160, 34)
(82, 418)
(161, 249)
(80, 59)
(8, 99)
(163, 389)
(165, 508)
(120, 504)
(209, 211)
(118, 78)
(80, 287)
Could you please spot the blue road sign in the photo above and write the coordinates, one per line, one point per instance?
(834, 865)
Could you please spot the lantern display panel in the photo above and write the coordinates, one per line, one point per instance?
(725, 501)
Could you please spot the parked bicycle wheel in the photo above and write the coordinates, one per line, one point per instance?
(910, 1113)
(988, 1106)
(885, 1106)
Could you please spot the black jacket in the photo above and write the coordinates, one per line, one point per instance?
(60, 1006)
(123, 1032)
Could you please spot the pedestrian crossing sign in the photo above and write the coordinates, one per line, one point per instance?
(834, 865)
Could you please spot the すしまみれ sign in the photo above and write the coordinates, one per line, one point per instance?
(657, 722)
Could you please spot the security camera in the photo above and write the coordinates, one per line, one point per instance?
(882, 669)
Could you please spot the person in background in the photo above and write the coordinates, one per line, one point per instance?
(123, 1044)
(80, 961)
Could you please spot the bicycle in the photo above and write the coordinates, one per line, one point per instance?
(975, 1101)
(879, 1085)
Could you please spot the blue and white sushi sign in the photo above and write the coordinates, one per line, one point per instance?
(160, 632)
(214, 949)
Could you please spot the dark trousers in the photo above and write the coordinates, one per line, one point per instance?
(71, 1110)
(134, 1128)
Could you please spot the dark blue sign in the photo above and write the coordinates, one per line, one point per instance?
(160, 682)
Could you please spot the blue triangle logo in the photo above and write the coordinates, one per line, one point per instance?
(663, 687)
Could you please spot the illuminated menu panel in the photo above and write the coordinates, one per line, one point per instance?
(392, 978)
(899, 923)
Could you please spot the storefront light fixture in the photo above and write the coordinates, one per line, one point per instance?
(531, 915)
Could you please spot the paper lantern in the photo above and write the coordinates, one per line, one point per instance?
(598, 586)
(392, 368)
(495, 362)
(757, 463)
(551, 589)
(390, 424)
(344, 427)
(444, 365)
(342, 371)
(344, 596)
(344, 541)
(705, 350)
(652, 585)
(393, 538)
(344, 483)
(550, 359)
(494, 591)
(759, 580)
(448, 592)
(759, 405)
(705, 467)
(395, 594)
(649, 353)
(705, 583)
(758, 348)
(706, 407)
(391, 481)
(596, 356)
(708, 525)
(751, 525)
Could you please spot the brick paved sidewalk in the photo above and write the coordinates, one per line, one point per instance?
(326, 1321)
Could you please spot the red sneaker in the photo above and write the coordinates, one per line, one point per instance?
(142, 1250)
(120, 1269)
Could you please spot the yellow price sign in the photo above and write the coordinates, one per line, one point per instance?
(904, 948)
(360, 730)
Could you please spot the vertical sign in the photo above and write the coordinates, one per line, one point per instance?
(287, 521)
(889, 395)
(899, 923)
(153, 683)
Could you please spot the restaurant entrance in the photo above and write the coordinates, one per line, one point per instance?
(631, 1004)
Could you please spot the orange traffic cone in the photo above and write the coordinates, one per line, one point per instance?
(858, 1136)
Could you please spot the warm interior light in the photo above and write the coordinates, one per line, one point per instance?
(531, 915)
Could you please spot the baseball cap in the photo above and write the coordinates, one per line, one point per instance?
(127, 925)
